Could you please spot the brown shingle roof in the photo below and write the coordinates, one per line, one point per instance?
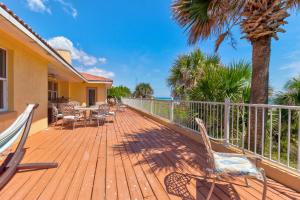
(91, 77)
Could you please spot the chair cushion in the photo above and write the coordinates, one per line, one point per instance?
(111, 113)
(235, 165)
(70, 117)
(59, 115)
(99, 116)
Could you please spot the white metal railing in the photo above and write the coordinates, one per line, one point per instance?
(270, 131)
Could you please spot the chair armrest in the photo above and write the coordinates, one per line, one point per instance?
(221, 139)
(217, 139)
(256, 159)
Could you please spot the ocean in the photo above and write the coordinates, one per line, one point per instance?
(163, 98)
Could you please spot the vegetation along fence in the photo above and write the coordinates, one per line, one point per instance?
(270, 131)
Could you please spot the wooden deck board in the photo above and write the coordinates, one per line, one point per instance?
(130, 157)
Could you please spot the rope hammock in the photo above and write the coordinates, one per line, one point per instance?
(12, 163)
(12, 133)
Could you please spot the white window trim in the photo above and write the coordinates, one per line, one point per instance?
(53, 92)
(5, 85)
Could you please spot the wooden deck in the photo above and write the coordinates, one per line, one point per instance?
(130, 158)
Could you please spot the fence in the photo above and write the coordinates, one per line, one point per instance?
(270, 131)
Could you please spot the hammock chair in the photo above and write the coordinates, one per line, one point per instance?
(12, 163)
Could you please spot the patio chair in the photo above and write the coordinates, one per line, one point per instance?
(108, 112)
(11, 163)
(229, 164)
(100, 114)
(120, 106)
(56, 115)
(70, 115)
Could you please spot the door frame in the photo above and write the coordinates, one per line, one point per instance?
(87, 94)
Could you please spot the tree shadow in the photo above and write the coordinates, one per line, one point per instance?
(162, 153)
(169, 152)
(177, 184)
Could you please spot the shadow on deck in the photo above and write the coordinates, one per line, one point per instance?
(132, 157)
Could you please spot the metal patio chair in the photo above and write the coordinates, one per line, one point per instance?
(56, 114)
(100, 114)
(229, 164)
(12, 162)
(70, 115)
(120, 106)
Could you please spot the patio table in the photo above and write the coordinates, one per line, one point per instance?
(85, 110)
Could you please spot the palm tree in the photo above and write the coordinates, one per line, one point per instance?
(259, 20)
(188, 70)
(220, 83)
(143, 90)
(291, 95)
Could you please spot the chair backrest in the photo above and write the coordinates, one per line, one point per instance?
(103, 109)
(11, 134)
(74, 103)
(68, 109)
(206, 141)
(54, 111)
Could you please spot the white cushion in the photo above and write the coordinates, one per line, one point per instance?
(70, 117)
(111, 113)
(235, 165)
(99, 116)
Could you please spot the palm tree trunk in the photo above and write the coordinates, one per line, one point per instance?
(261, 51)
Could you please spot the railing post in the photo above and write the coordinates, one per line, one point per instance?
(152, 107)
(172, 111)
(226, 121)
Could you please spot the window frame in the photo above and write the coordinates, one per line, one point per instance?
(5, 84)
(53, 91)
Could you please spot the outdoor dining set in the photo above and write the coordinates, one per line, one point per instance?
(73, 113)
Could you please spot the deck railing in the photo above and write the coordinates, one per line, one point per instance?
(270, 131)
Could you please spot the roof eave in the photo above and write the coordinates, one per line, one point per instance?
(41, 43)
(102, 82)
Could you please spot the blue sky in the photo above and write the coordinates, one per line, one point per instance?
(137, 41)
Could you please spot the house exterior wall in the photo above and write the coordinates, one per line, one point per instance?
(78, 92)
(27, 83)
(63, 89)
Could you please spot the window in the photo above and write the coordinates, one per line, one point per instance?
(3, 81)
(52, 90)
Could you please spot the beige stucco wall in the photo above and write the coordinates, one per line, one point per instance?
(78, 92)
(28, 79)
(63, 89)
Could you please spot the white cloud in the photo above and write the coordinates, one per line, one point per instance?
(102, 60)
(293, 68)
(68, 8)
(61, 42)
(38, 6)
(100, 72)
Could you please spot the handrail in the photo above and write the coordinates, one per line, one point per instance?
(269, 131)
